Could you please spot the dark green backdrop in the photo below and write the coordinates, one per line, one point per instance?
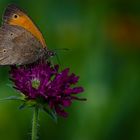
(104, 42)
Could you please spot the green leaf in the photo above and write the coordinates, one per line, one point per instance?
(9, 85)
(27, 103)
(13, 98)
(51, 113)
(22, 106)
(30, 103)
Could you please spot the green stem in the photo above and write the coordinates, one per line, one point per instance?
(35, 124)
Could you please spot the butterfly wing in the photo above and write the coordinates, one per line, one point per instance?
(15, 16)
(18, 46)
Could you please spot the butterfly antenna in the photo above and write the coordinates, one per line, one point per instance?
(58, 56)
(52, 53)
(59, 61)
(62, 49)
(52, 64)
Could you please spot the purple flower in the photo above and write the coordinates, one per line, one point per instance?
(42, 81)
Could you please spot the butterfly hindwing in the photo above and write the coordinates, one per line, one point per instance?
(18, 46)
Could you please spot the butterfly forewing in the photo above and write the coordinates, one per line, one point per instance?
(15, 16)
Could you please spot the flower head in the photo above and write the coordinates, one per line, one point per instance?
(45, 82)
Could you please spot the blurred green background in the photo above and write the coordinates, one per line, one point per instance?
(104, 42)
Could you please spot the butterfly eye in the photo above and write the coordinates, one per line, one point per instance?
(4, 50)
(15, 16)
(51, 53)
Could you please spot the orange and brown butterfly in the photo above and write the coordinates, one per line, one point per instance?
(21, 42)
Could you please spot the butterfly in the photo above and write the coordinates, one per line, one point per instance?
(21, 42)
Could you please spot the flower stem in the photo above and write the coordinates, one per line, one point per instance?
(35, 124)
